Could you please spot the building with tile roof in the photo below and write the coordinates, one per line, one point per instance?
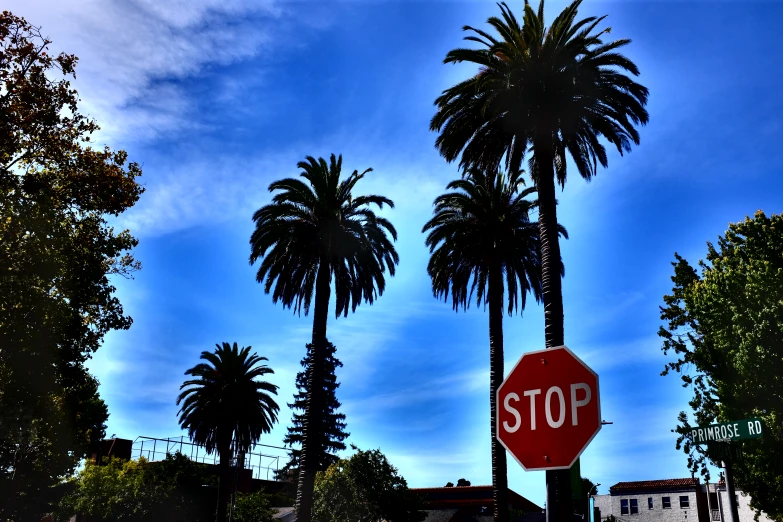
(671, 500)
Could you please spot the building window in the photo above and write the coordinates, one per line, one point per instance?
(666, 502)
(629, 507)
(649, 503)
(684, 504)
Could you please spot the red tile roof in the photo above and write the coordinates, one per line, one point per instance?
(655, 484)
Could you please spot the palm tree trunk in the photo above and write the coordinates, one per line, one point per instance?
(312, 427)
(224, 487)
(499, 477)
(558, 483)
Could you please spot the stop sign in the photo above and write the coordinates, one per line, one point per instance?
(548, 409)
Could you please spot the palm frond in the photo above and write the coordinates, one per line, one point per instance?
(563, 81)
(320, 221)
(225, 408)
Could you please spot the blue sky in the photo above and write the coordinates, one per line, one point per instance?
(217, 99)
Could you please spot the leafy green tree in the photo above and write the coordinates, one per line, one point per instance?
(724, 328)
(171, 490)
(365, 488)
(463, 483)
(252, 507)
(334, 423)
(57, 255)
(482, 241)
(582, 505)
(313, 231)
(225, 409)
(555, 90)
(119, 490)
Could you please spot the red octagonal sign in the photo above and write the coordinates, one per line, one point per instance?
(548, 409)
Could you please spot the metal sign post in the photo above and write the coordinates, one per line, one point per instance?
(731, 492)
(719, 438)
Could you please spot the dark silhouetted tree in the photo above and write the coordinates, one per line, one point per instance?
(334, 422)
(57, 259)
(226, 409)
(365, 487)
(555, 91)
(313, 234)
(482, 242)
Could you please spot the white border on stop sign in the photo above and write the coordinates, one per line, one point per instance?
(498, 402)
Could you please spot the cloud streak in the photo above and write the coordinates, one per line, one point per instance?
(132, 54)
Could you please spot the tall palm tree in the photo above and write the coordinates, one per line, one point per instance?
(482, 241)
(225, 409)
(315, 230)
(557, 91)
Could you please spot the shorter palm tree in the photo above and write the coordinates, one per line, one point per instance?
(225, 409)
(316, 234)
(482, 241)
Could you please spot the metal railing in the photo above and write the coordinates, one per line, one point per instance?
(155, 449)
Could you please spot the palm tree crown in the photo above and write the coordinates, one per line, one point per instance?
(561, 84)
(224, 407)
(309, 224)
(484, 221)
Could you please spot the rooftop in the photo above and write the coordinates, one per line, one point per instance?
(674, 483)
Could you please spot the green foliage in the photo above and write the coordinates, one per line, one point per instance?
(334, 423)
(57, 254)
(225, 409)
(582, 506)
(365, 488)
(252, 507)
(280, 499)
(725, 329)
(174, 490)
(460, 483)
(119, 490)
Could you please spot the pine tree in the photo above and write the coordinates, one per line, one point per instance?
(334, 423)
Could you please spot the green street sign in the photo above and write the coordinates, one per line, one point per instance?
(735, 430)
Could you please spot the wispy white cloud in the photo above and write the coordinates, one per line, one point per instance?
(627, 352)
(446, 386)
(131, 53)
(428, 468)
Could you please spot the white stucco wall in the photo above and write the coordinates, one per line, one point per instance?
(746, 514)
(610, 505)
